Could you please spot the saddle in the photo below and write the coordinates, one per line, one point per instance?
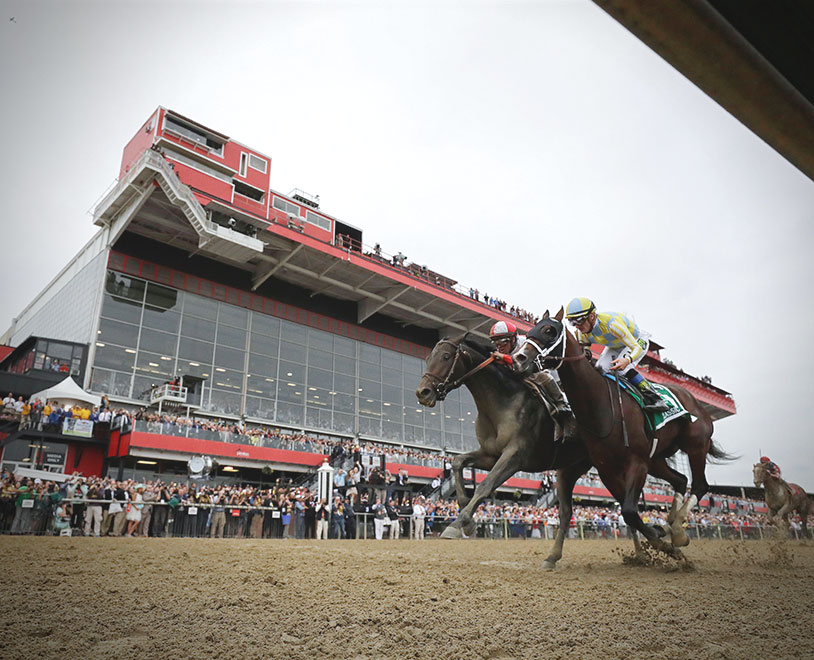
(537, 391)
(656, 420)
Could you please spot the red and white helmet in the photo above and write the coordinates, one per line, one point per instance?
(503, 330)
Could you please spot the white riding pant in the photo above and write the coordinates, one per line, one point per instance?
(609, 354)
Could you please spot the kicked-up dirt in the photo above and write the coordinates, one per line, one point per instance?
(132, 598)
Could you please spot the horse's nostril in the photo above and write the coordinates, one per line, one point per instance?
(424, 392)
(520, 358)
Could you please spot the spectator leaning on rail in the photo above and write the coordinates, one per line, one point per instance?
(625, 345)
(506, 339)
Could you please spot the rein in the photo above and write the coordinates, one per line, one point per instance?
(543, 355)
(442, 388)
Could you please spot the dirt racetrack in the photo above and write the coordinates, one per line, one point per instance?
(185, 598)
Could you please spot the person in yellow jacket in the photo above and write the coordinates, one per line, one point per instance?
(625, 345)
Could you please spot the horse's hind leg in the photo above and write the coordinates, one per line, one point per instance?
(660, 469)
(566, 478)
(628, 493)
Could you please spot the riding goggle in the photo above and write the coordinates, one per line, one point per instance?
(501, 342)
(578, 321)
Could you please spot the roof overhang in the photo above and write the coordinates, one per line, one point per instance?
(732, 66)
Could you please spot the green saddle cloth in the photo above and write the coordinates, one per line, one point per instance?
(655, 420)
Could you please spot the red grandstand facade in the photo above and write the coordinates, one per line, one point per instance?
(197, 252)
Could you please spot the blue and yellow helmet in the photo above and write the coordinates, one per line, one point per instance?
(579, 307)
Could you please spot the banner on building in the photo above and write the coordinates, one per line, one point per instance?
(79, 427)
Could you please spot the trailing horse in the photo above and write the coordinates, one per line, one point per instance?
(514, 431)
(613, 428)
(782, 498)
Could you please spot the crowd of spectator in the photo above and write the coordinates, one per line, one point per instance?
(97, 506)
(263, 436)
(497, 303)
(48, 415)
(103, 506)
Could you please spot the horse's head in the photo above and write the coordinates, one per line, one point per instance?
(544, 346)
(759, 474)
(448, 361)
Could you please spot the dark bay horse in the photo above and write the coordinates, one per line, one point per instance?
(514, 430)
(783, 498)
(612, 426)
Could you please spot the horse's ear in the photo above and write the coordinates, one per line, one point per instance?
(558, 316)
(546, 314)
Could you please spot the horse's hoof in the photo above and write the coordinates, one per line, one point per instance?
(662, 530)
(549, 565)
(680, 539)
(451, 533)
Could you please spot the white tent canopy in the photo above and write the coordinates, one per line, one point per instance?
(67, 392)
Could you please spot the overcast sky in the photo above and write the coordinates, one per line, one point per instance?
(535, 150)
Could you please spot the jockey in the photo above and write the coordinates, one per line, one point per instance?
(771, 467)
(506, 339)
(624, 344)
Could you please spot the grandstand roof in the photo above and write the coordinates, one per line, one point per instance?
(754, 58)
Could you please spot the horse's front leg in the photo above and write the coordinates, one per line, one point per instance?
(508, 463)
(566, 478)
(477, 459)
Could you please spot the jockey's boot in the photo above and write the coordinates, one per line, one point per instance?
(652, 401)
(564, 418)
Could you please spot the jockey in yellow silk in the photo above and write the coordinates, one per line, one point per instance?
(625, 345)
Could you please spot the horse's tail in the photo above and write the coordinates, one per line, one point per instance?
(718, 456)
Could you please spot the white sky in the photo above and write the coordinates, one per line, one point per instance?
(535, 150)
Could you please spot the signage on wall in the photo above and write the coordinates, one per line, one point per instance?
(54, 458)
(79, 427)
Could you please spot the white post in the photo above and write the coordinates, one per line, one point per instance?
(325, 482)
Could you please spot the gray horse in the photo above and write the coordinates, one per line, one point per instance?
(514, 431)
(782, 498)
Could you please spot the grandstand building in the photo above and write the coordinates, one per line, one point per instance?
(269, 310)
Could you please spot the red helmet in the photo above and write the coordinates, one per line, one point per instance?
(764, 459)
(503, 329)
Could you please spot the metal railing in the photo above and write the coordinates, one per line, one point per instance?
(197, 520)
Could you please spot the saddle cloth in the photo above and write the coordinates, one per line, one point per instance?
(658, 419)
(795, 489)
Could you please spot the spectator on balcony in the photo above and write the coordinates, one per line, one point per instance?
(399, 259)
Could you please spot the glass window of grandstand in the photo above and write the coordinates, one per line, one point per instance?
(39, 455)
(49, 355)
(270, 370)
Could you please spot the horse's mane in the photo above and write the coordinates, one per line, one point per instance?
(481, 348)
(483, 351)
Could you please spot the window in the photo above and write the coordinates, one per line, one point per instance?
(192, 133)
(257, 163)
(282, 205)
(124, 286)
(243, 161)
(115, 332)
(249, 191)
(318, 220)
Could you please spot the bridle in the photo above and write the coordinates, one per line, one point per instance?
(444, 387)
(545, 356)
